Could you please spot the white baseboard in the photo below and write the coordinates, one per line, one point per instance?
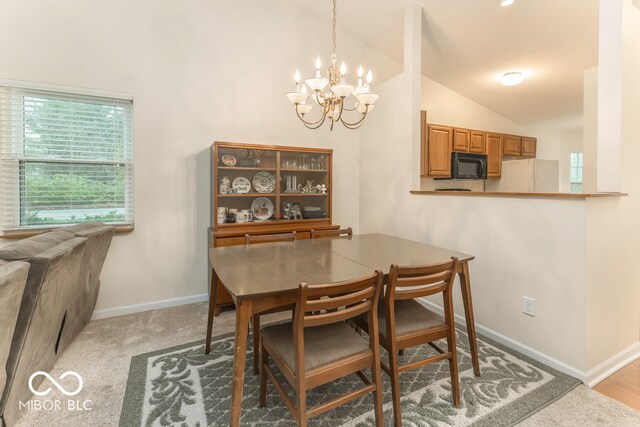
(517, 346)
(613, 364)
(137, 308)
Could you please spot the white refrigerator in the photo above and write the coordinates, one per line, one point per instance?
(528, 176)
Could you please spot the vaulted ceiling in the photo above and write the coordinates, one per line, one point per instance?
(468, 44)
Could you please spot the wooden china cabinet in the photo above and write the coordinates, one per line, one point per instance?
(265, 189)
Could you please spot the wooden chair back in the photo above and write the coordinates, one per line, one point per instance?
(317, 234)
(324, 304)
(418, 282)
(250, 239)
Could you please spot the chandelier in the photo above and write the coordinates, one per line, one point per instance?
(332, 102)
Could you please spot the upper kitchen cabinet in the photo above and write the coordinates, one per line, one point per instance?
(436, 148)
(461, 140)
(512, 145)
(529, 146)
(477, 143)
(494, 143)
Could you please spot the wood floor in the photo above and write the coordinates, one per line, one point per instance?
(623, 386)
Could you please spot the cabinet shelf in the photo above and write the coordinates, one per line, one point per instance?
(302, 194)
(242, 168)
(248, 195)
(304, 170)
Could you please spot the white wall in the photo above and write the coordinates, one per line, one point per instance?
(532, 247)
(590, 130)
(613, 229)
(198, 72)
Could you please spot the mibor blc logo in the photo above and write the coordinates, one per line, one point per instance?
(56, 404)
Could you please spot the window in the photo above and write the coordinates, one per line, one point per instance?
(575, 173)
(65, 158)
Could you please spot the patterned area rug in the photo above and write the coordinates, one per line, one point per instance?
(183, 386)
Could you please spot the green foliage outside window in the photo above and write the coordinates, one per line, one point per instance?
(57, 186)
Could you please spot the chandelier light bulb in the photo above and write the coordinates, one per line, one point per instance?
(369, 77)
(343, 69)
(297, 76)
(512, 78)
(505, 3)
(318, 64)
(360, 71)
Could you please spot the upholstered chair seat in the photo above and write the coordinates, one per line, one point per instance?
(322, 344)
(411, 316)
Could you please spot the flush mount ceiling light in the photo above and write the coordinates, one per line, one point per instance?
(511, 78)
(332, 102)
(505, 3)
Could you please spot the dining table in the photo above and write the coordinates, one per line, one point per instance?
(266, 276)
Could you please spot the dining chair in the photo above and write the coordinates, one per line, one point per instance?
(404, 322)
(318, 346)
(250, 239)
(316, 234)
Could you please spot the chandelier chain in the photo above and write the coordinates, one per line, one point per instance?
(333, 34)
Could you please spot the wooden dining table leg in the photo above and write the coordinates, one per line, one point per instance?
(465, 285)
(243, 316)
(213, 301)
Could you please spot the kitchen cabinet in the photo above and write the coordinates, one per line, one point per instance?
(461, 140)
(512, 145)
(529, 146)
(439, 141)
(477, 143)
(494, 143)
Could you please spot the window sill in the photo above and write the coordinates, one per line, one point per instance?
(21, 234)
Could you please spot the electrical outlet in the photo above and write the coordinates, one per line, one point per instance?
(529, 306)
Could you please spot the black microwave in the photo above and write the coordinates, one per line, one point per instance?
(468, 166)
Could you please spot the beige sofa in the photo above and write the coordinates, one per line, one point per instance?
(13, 279)
(58, 300)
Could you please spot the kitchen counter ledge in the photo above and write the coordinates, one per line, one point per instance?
(578, 196)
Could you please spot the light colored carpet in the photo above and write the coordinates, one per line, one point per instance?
(103, 351)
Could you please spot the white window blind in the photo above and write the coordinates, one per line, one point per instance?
(65, 158)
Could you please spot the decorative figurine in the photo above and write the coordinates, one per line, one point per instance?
(224, 185)
(292, 211)
(309, 188)
(296, 213)
(321, 188)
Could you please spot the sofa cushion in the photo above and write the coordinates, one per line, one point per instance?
(13, 278)
(29, 248)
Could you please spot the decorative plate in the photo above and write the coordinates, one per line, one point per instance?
(264, 182)
(228, 160)
(241, 184)
(262, 208)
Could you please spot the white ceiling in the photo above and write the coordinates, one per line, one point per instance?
(467, 44)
